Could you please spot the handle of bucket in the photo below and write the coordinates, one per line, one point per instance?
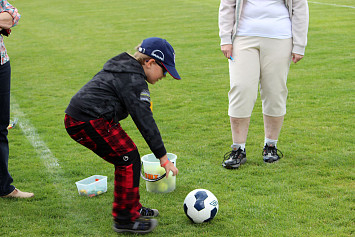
(151, 180)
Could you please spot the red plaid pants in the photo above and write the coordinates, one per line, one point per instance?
(111, 142)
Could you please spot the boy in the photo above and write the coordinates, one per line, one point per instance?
(93, 115)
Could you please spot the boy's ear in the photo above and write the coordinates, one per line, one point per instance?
(149, 62)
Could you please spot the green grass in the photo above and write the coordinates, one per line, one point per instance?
(59, 45)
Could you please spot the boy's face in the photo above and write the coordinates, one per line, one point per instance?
(154, 71)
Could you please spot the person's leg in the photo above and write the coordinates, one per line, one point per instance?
(240, 127)
(5, 177)
(244, 78)
(111, 143)
(244, 73)
(237, 157)
(6, 189)
(275, 63)
(275, 59)
(126, 203)
(272, 126)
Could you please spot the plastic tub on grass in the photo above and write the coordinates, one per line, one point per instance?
(92, 186)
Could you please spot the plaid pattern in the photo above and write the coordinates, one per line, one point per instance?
(126, 195)
(107, 140)
(112, 143)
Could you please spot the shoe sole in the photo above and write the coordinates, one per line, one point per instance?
(232, 167)
(270, 160)
(154, 223)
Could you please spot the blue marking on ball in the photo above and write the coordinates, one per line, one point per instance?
(200, 198)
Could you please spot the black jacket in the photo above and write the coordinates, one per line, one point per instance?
(119, 89)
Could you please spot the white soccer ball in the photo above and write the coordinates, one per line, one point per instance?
(200, 205)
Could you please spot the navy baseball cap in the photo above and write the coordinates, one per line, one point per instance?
(162, 51)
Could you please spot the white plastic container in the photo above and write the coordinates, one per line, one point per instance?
(152, 171)
(92, 186)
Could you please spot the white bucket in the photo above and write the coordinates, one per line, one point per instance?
(154, 174)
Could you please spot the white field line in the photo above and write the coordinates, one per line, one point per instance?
(331, 4)
(50, 162)
(31, 134)
(48, 159)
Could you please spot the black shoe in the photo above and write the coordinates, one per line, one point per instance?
(270, 153)
(147, 212)
(139, 226)
(234, 158)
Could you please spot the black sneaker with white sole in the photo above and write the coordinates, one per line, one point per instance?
(234, 158)
(139, 226)
(271, 153)
(147, 212)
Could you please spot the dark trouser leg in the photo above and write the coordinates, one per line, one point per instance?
(5, 177)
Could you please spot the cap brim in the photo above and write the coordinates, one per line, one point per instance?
(172, 71)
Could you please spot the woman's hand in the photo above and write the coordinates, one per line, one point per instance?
(168, 166)
(5, 20)
(296, 57)
(227, 50)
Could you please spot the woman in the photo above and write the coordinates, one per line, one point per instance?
(260, 37)
(9, 17)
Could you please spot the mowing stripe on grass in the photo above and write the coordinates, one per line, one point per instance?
(50, 162)
(331, 4)
(29, 131)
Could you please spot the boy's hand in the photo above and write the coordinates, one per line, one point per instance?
(168, 166)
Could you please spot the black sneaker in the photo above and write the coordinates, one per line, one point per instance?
(147, 212)
(139, 226)
(234, 158)
(270, 153)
